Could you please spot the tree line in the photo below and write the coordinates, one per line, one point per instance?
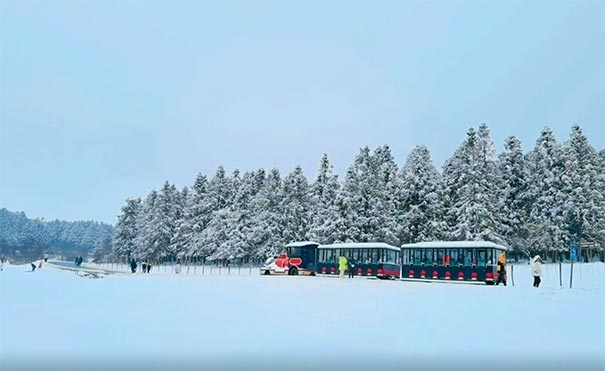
(22, 238)
(543, 200)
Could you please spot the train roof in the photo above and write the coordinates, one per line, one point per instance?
(360, 245)
(302, 244)
(454, 244)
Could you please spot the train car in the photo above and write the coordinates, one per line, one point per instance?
(371, 259)
(471, 261)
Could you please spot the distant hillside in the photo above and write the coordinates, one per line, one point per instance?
(22, 238)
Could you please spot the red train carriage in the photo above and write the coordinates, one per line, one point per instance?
(469, 261)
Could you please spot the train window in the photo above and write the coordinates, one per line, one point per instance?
(454, 256)
(481, 257)
(398, 260)
(356, 254)
(374, 256)
(446, 257)
(405, 254)
(364, 255)
(391, 257)
(429, 258)
(460, 257)
(440, 256)
(467, 253)
(490, 256)
(327, 256)
(417, 253)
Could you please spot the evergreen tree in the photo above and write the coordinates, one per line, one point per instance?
(324, 214)
(583, 190)
(421, 209)
(513, 194)
(295, 206)
(266, 232)
(470, 186)
(126, 229)
(546, 221)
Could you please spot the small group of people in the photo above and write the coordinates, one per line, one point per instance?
(79, 261)
(145, 266)
(34, 265)
(535, 269)
(345, 265)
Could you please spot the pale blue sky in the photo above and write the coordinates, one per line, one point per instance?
(104, 100)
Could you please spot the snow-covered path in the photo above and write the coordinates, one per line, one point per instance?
(51, 316)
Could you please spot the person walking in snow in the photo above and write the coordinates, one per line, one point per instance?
(501, 270)
(351, 268)
(536, 270)
(133, 265)
(33, 267)
(342, 266)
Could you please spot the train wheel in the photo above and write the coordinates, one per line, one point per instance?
(267, 273)
(293, 271)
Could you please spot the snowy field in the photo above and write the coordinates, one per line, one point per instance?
(54, 319)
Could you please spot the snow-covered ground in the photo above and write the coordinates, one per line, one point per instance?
(54, 318)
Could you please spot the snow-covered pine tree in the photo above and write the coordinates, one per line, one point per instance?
(239, 242)
(513, 194)
(183, 232)
(368, 201)
(267, 227)
(126, 230)
(357, 198)
(324, 215)
(421, 210)
(199, 212)
(295, 206)
(583, 189)
(386, 191)
(212, 240)
(547, 230)
(157, 225)
(144, 248)
(471, 188)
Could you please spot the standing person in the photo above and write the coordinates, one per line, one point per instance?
(33, 267)
(501, 269)
(536, 270)
(45, 258)
(177, 269)
(351, 268)
(148, 267)
(133, 265)
(144, 266)
(342, 266)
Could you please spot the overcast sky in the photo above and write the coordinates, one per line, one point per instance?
(107, 100)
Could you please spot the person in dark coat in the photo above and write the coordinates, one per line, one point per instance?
(501, 270)
(144, 267)
(133, 265)
(148, 267)
(33, 267)
(352, 268)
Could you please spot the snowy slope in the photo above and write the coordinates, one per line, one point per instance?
(51, 317)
